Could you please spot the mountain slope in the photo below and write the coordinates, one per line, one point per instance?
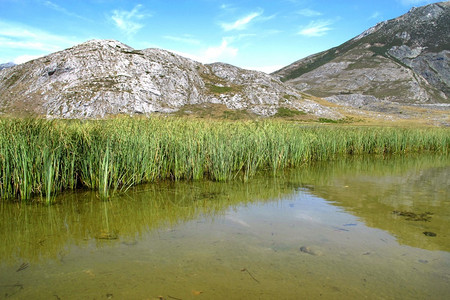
(403, 60)
(104, 77)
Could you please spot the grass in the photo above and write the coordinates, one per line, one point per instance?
(40, 158)
(215, 89)
(236, 114)
(284, 112)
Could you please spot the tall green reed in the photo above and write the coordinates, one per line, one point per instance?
(40, 158)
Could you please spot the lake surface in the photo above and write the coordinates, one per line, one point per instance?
(366, 228)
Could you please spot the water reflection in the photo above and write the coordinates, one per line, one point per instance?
(35, 232)
(406, 196)
(328, 230)
(371, 189)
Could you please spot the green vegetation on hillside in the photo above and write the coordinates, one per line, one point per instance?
(284, 112)
(41, 158)
(318, 61)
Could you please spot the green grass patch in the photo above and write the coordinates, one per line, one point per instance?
(319, 60)
(326, 120)
(289, 97)
(217, 85)
(220, 89)
(284, 112)
(40, 158)
(338, 121)
(13, 79)
(236, 115)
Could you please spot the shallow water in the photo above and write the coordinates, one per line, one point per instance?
(349, 229)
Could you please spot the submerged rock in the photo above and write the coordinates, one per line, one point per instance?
(310, 251)
(429, 233)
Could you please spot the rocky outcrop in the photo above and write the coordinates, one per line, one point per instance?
(433, 67)
(105, 77)
(404, 60)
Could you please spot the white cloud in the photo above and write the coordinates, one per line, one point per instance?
(227, 7)
(16, 36)
(222, 52)
(265, 69)
(63, 10)
(316, 28)
(128, 21)
(189, 55)
(241, 23)
(24, 58)
(186, 39)
(375, 15)
(26, 44)
(306, 12)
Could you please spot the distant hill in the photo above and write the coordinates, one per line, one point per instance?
(404, 60)
(104, 77)
(7, 65)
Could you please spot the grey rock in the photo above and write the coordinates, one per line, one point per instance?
(311, 251)
(367, 102)
(433, 67)
(104, 77)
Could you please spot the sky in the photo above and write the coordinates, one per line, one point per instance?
(263, 35)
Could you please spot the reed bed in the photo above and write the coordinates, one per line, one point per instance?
(41, 158)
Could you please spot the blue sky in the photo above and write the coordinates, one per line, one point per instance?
(263, 35)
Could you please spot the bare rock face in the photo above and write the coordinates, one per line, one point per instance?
(433, 67)
(404, 60)
(105, 77)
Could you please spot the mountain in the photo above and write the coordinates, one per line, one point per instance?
(403, 60)
(104, 77)
(7, 65)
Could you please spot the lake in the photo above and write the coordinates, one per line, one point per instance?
(356, 228)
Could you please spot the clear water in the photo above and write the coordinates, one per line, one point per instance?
(350, 229)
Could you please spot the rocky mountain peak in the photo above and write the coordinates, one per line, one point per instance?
(403, 60)
(424, 13)
(105, 77)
